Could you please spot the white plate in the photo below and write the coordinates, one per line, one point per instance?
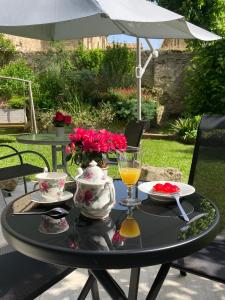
(185, 190)
(38, 198)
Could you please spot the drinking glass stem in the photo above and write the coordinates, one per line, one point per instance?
(129, 192)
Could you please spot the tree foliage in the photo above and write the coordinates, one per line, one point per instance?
(205, 13)
(7, 50)
(206, 74)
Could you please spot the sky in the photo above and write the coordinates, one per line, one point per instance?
(122, 38)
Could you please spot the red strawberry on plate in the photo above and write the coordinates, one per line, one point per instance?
(166, 188)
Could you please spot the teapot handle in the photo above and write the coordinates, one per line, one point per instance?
(111, 192)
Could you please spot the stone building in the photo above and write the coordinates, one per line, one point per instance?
(174, 44)
(32, 45)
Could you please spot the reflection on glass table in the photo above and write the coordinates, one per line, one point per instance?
(153, 234)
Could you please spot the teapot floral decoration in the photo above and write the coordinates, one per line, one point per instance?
(89, 144)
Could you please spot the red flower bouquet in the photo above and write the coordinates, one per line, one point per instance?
(88, 144)
(60, 120)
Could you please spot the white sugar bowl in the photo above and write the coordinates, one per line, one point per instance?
(95, 193)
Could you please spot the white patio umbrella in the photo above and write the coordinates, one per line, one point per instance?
(69, 19)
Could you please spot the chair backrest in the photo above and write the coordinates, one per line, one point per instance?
(133, 133)
(207, 173)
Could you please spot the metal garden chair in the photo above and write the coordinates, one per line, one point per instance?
(22, 169)
(207, 175)
(24, 278)
(133, 133)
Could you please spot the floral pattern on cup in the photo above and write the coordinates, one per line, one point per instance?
(47, 186)
(51, 184)
(43, 186)
(50, 225)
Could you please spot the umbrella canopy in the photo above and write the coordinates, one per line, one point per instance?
(69, 19)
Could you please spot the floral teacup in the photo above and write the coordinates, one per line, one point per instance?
(51, 184)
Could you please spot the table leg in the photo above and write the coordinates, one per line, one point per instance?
(94, 289)
(91, 281)
(158, 282)
(109, 284)
(54, 158)
(134, 282)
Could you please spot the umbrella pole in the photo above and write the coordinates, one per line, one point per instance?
(33, 117)
(141, 70)
(138, 78)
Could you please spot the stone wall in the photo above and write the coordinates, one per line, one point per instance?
(27, 45)
(167, 73)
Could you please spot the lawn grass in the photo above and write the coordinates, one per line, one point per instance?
(159, 153)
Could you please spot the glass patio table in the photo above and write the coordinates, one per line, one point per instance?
(58, 144)
(94, 244)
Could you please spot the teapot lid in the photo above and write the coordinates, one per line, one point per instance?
(93, 175)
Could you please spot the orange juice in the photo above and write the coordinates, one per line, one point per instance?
(130, 176)
(129, 228)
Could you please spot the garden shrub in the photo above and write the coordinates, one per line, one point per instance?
(89, 116)
(51, 86)
(45, 119)
(17, 102)
(205, 80)
(17, 69)
(7, 50)
(148, 110)
(118, 67)
(186, 128)
(124, 103)
(83, 74)
(87, 59)
(82, 84)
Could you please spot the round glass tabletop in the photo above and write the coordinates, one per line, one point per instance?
(155, 233)
(43, 139)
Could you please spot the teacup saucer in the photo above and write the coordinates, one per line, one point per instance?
(39, 198)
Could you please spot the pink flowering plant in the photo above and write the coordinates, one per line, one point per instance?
(89, 144)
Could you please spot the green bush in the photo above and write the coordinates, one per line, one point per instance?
(17, 69)
(82, 74)
(85, 115)
(87, 59)
(7, 50)
(124, 104)
(51, 86)
(82, 84)
(205, 80)
(44, 119)
(118, 67)
(17, 102)
(148, 110)
(186, 128)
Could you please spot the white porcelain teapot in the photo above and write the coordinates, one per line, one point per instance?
(95, 193)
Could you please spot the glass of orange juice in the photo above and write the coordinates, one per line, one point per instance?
(129, 164)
